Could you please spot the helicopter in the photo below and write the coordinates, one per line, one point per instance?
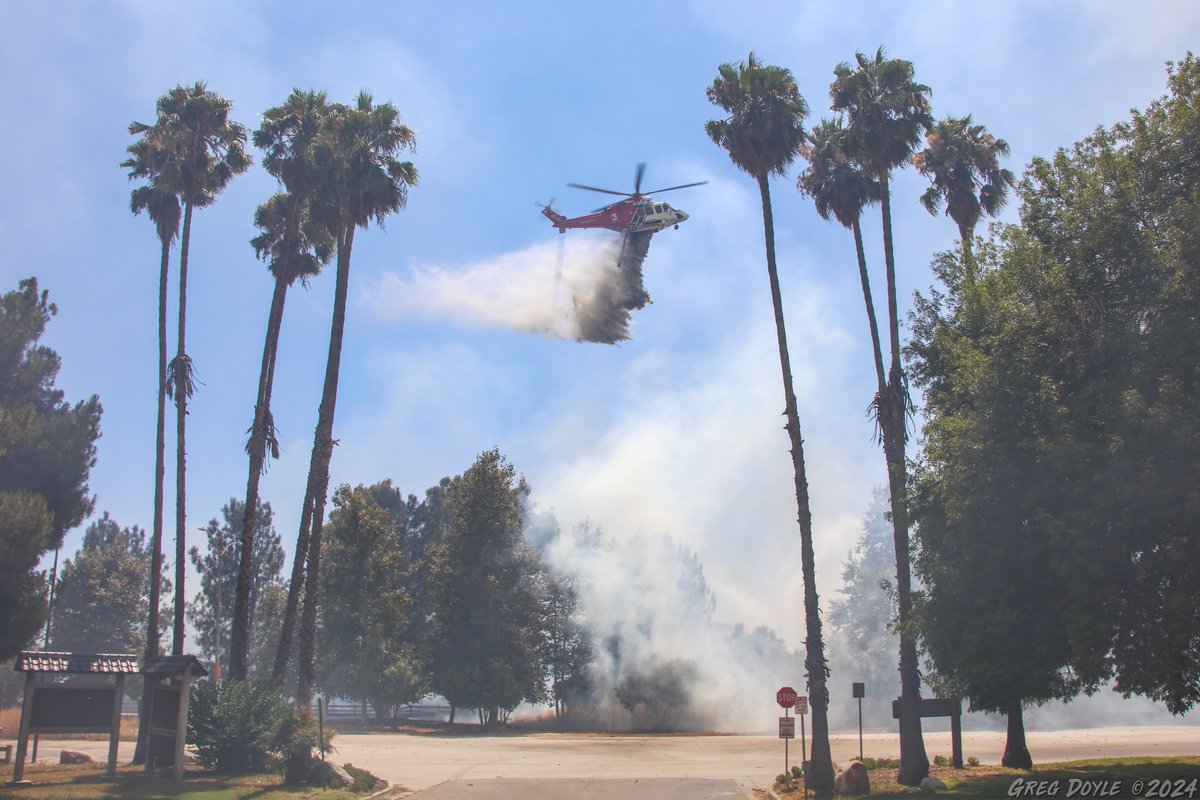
(637, 213)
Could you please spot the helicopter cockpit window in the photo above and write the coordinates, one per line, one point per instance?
(658, 209)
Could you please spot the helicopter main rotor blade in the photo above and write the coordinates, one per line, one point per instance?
(595, 189)
(637, 180)
(681, 186)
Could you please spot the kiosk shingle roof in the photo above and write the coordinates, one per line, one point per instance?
(76, 663)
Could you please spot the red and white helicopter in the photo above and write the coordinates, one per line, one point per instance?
(637, 213)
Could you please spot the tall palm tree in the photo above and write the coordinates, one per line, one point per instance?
(841, 189)
(295, 248)
(162, 206)
(962, 162)
(886, 112)
(362, 180)
(202, 149)
(763, 134)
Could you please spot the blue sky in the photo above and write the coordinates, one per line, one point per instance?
(676, 431)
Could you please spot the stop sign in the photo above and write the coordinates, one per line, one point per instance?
(786, 697)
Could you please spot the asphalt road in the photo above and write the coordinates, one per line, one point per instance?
(577, 764)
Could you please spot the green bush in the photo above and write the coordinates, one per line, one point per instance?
(972, 761)
(797, 773)
(296, 743)
(941, 761)
(247, 727)
(234, 725)
(881, 763)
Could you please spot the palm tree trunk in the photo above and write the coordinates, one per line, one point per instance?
(821, 774)
(865, 277)
(239, 648)
(182, 383)
(1016, 753)
(892, 410)
(160, 446)
(322, 454)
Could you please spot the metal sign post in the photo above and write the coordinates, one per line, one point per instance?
(802, 711)
(786, 697)
(860, 691)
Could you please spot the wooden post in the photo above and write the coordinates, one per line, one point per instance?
(114, 735)
(23, 732)
(181, 722)
(956, 737)
(149, 686)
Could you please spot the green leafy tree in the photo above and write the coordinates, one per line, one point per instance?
(196, 151)
(369, 650)
(566, 646)
(962, 162)
(763, 133)
(296, 246)
(994, 616)
(1062, 436)
(361, 180)
(661, 688)
(47, 450)
(886, 112)
(484, 578)
(101, 597)
(212, 609)
(161, 204)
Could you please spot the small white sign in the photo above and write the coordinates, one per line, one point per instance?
(801, 706)
(787, 727)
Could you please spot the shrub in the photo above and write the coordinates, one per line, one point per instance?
(797, 773)
(881, 763)
(234, 725)
(297, 744)
(941, 761)
(247, 726)
(972, 761)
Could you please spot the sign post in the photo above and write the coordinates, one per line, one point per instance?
(860, 691)
(802, 711)
(786, 697)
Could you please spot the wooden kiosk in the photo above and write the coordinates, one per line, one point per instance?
(72, 693)
(171, 678)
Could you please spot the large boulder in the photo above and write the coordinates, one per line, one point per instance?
(75, 757)
(853, 781)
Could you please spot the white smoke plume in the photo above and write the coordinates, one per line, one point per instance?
(583, 287)
(646, 601)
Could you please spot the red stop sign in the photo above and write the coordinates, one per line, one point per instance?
(786, 697)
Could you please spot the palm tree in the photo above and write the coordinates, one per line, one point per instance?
(201, 151)
(763, 135)
(361, 181)
(962, 162)
(886, 112)
(295, 248)
(840, 188)
(162, 206)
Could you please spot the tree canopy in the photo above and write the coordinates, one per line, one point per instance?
(47, 450)
(1060, 480)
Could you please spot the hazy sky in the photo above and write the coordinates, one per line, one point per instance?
(676, 431)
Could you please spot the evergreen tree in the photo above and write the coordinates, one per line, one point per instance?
(212, 609)
(486, 605)
(47, 449)
(103, 592)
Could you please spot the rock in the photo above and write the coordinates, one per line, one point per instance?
(853, 780)
(332, 774)
(337, 774)
(75, 757)
(931, 784)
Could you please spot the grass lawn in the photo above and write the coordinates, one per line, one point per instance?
(1166, 777)
(52, 781)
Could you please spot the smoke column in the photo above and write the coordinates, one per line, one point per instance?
(585, 289)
